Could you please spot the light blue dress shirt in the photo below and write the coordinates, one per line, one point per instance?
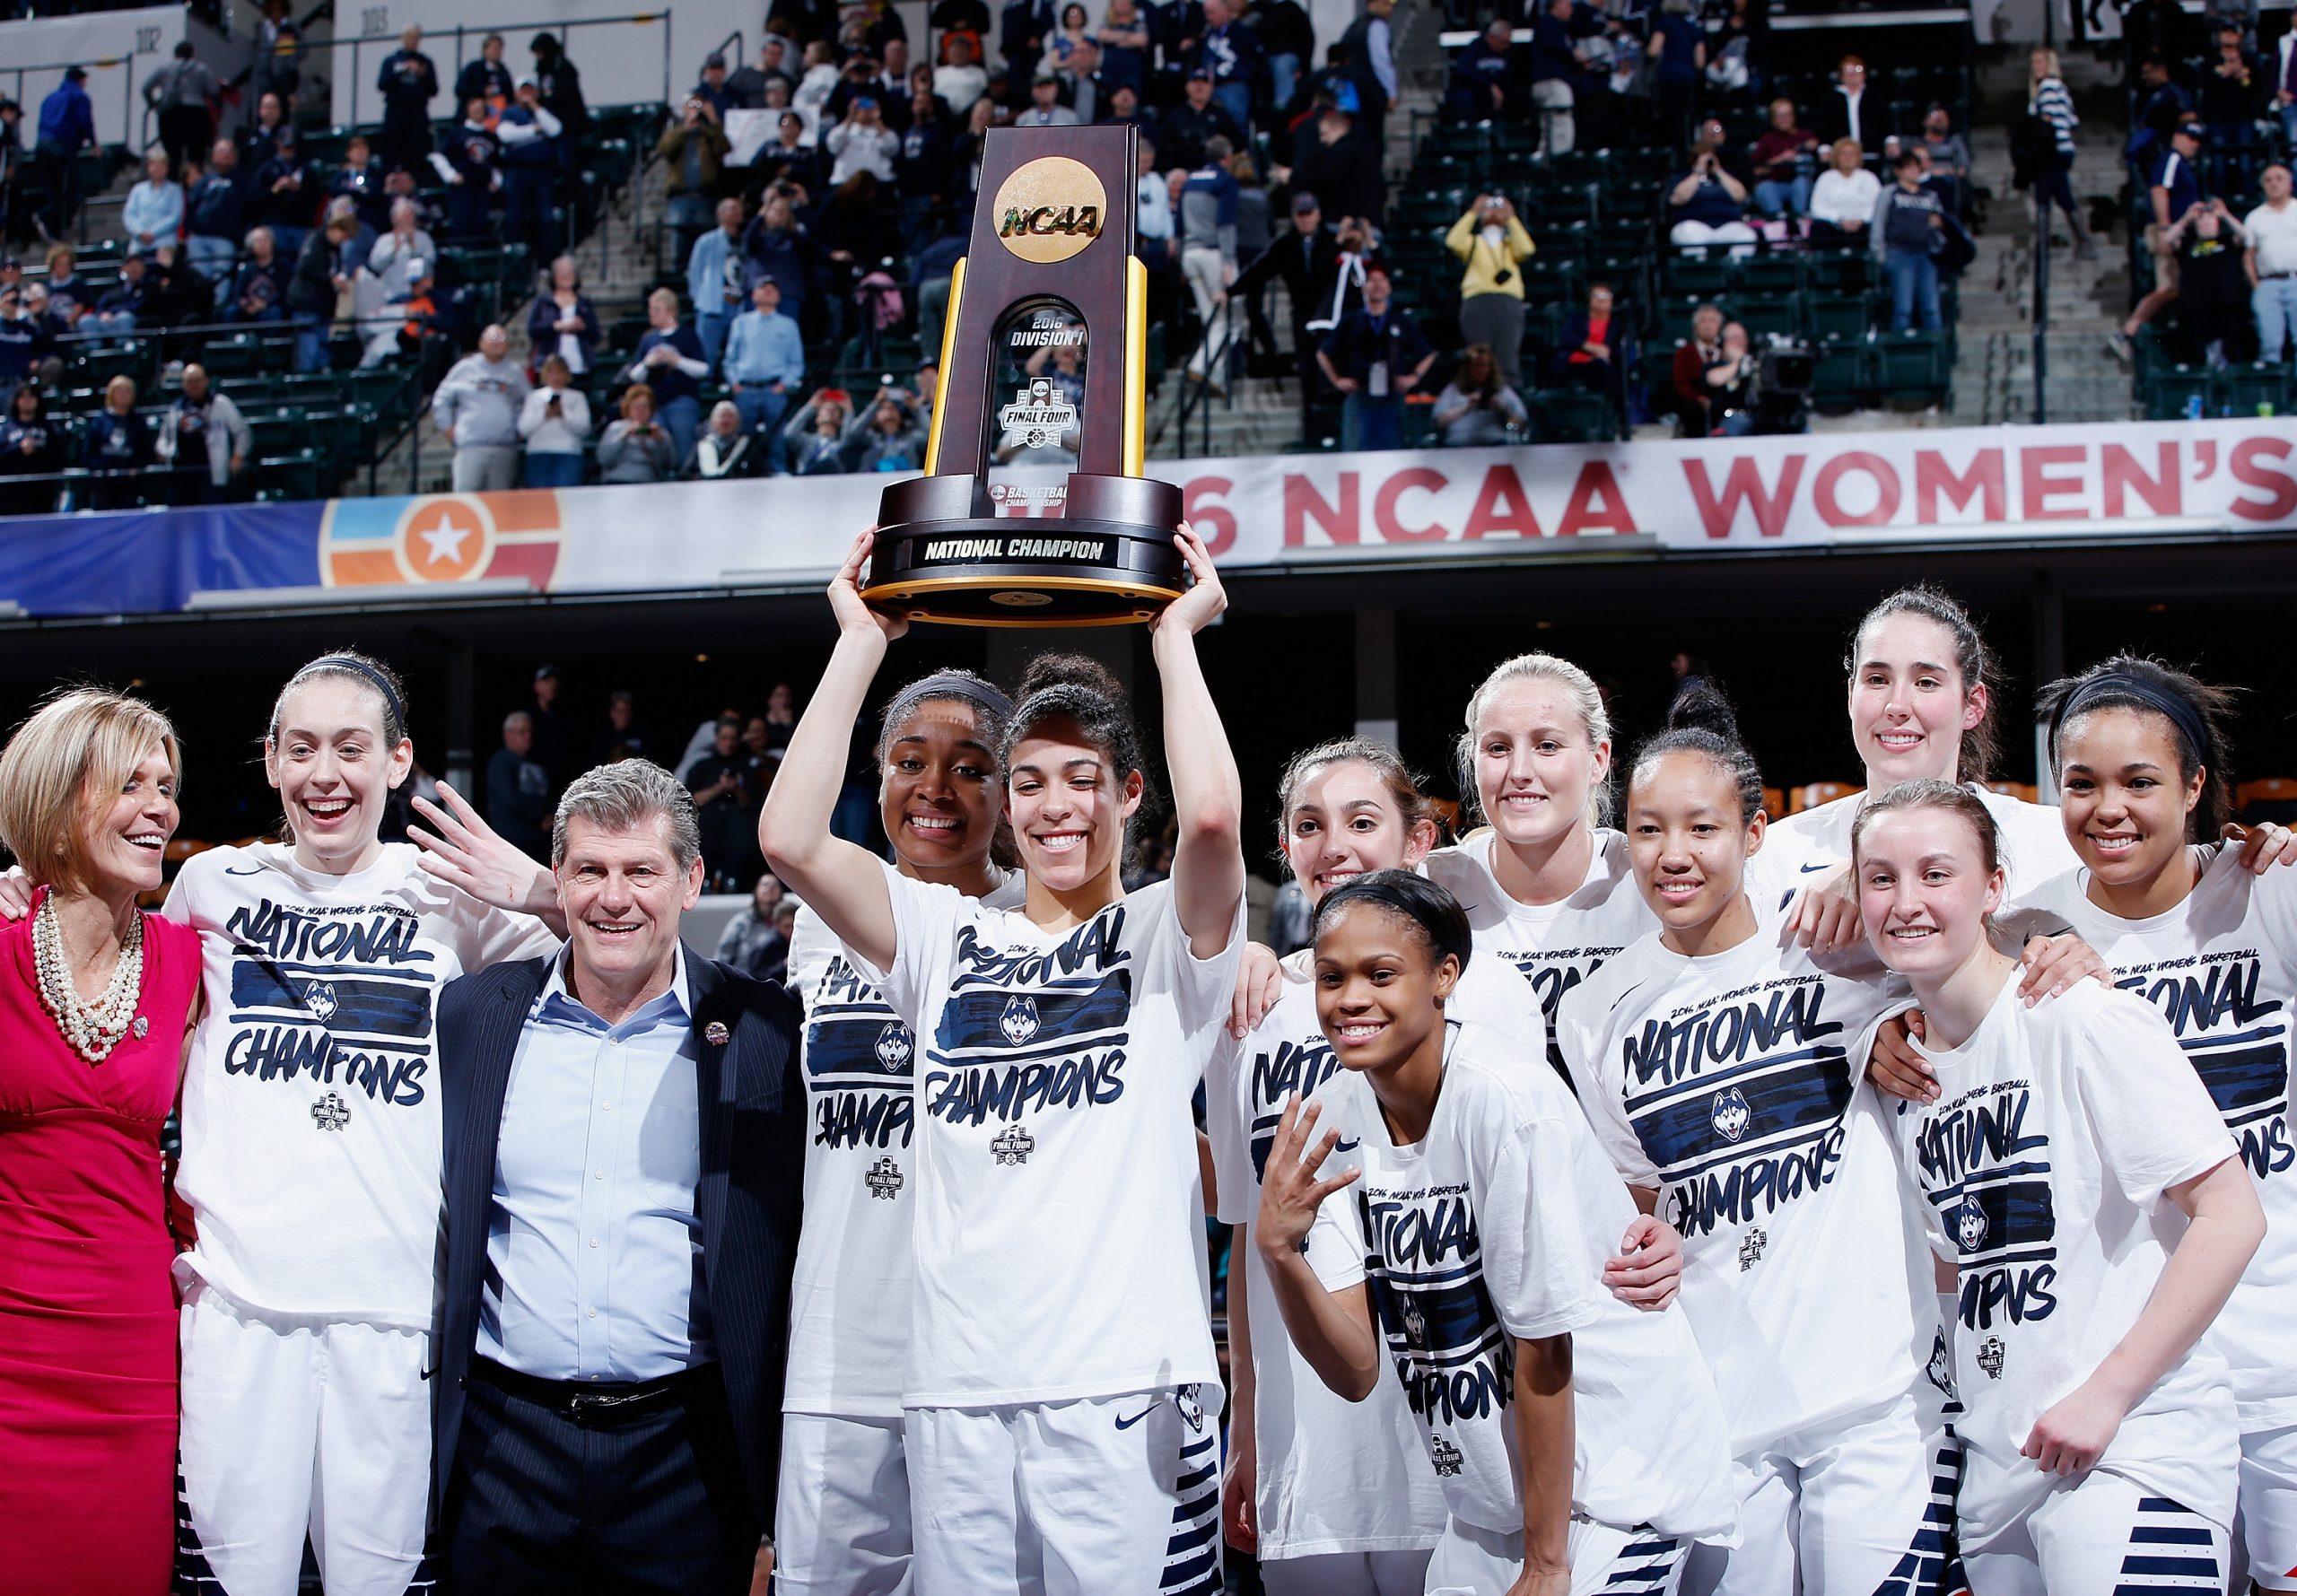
(593, 1247)
(763, 349)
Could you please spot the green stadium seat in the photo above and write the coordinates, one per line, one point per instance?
(1764, 317)
(1689, 275)
(1767, 275)
(2172, 392)
(1840, 381)
(2258, 388)
(1840, 271)
(1912, 366)
(1573, 416)
(1834, 315)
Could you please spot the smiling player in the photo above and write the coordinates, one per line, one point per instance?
(1059, 1351)
(1721, 1072)
(311, 1147)
(2101, 1446)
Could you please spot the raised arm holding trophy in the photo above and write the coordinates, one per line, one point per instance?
(1043, 363)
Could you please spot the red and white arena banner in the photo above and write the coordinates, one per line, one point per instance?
(1916, 488)
(1937, 485)
(1726, 494)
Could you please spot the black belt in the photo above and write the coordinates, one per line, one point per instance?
(592, 1400)
(2274, 276)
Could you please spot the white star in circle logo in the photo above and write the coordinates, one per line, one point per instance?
(446, 540)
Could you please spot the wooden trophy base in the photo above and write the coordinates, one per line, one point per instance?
(944, 554)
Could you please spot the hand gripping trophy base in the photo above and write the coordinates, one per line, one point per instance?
(943, 553)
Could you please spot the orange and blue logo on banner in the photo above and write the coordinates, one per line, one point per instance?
(440, 537)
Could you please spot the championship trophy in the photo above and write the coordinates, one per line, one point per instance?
(1043, 364)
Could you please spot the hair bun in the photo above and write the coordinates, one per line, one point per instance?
(1700, 706)
(1070, 670)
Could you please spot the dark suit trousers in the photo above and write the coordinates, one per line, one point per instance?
(539, 1502)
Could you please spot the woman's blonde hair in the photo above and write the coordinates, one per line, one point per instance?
(2051, 65)
(82, 744)
(1580, 692)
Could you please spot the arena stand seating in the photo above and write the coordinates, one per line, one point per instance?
(1598, 215)
(2189, 360)
(316, 434)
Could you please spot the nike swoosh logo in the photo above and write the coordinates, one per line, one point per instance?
(1807, 869)
(1126, 1423)
(250, 871)
(1347, 1146)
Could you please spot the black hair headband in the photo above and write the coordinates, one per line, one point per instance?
(2121, 684)
(946, 685)
(394, 710)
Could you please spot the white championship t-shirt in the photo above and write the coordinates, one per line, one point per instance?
(2039, 1174)
(849, 1298)
(1060, 1223)
(311, 1101)
(2222, 968)
(1557, 946)
(1733, 1085)
(1493, 1228)
(1817, 841)
(1333, 1475)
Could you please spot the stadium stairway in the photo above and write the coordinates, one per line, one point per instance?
(619, 270)
(1261, 414)
(1993, 377)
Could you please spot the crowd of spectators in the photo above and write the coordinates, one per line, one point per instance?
(834, 219)
(727, 762)
(2211, 123)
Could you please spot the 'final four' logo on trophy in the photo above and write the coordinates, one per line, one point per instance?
(1043, 363)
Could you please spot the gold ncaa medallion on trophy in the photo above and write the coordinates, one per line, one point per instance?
(1043, 363)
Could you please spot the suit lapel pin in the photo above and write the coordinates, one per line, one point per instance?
(715, 1033)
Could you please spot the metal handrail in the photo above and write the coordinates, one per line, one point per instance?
(561, 26)
(1196, 397)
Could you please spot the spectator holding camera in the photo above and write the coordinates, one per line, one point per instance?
(1491, 240)
(861, 143)
(814, 439)
(636, 447)
(555, 419)
(1476, 407)
(2214, 313)
(1706, 205)
(1728, 380)
(693, 154)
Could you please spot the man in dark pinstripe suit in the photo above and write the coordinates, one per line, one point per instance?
(624, 1145)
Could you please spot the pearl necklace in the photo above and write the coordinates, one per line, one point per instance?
(93, 1029)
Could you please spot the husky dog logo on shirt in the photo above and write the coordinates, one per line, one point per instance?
(894, 1046)
(1415, 1325)
(1019, 1021)
(1969, 1224)
(1733, 1114)
(319, 998)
